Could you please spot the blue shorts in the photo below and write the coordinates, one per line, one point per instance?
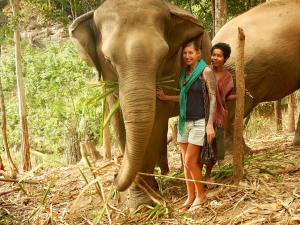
(194, 133)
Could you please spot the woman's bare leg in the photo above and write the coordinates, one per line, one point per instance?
(190, 186)
(191, 160)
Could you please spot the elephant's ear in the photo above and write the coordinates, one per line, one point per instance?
(82, 34)
(185, 27)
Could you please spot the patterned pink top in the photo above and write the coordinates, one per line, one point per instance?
(224, 88)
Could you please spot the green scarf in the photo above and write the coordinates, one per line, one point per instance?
(185, 85)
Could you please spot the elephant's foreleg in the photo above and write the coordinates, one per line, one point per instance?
(140, 191)
(296, 140)
(158, 139)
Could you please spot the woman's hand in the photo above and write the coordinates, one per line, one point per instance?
(210, 133)
(247, 93)
(160, 94)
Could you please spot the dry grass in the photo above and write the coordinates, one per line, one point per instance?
(269, 193)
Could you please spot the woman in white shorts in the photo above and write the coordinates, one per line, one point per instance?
(196, 82)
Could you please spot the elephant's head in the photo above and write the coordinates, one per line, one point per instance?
(132, 41)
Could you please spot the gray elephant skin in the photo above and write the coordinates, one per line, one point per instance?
(137, 43)
(272, 51)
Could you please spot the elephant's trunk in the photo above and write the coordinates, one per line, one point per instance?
(138, 101)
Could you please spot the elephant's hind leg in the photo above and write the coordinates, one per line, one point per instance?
(162, 161)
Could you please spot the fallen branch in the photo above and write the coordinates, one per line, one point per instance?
(291, 170)
(19, 181)
(198, 181)
(10, 191)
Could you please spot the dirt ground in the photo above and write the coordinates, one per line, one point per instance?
(268, 194)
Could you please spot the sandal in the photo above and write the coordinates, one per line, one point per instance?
(197, 206)
(184, 208)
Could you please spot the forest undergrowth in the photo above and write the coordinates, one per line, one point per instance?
(82, 194)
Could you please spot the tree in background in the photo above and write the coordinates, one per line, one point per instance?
(1, 164)
(12, 166)
(291, 112)
(2, 20)
(278, 114)
(4, 39)
(15, 4)
(219, 14)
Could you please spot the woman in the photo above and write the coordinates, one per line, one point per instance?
(197, 83)
(220, 52)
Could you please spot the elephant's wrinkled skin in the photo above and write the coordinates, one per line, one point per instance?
(137, 43)
(272, 50)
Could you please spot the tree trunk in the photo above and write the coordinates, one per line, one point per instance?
(220, 14)
(190, 6)
(213, 12)
(106, 135)
(238, 147)
(12, 166)
(278, 114)
(73, 154)
(1, 164)
(296, 140)
(15, 4)
(89, 148)
(253, 3)
(291, 112)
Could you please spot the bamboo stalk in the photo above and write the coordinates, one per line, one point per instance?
(97, 184)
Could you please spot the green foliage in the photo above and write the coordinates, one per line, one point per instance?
(66, 10)
(62, 10)
(237, 7)
(202, 9)
(56, 91)
(222, 172)
(6, 25)
(3, 3)
(6, 220)
(156, 212)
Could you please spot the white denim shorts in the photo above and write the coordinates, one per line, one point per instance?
(194, 132)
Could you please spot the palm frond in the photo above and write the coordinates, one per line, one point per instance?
(112, 111)
(168, 87)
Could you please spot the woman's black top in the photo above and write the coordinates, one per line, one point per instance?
(195, 102)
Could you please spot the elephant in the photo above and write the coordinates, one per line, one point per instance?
(272, 52)
(138, 43)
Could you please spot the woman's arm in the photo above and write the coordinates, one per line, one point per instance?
(162, 96)
(231, 97)
(210, 80)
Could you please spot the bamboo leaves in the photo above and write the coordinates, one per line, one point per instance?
(113, 109)
(108, 88)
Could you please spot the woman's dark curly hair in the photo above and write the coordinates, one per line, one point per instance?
(225, 48)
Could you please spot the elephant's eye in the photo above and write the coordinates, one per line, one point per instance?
(107, 60)
(109, 63)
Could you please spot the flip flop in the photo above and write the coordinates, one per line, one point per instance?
(197, 206)
(184, 208)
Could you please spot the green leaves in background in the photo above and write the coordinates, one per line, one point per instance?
(56, 91)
